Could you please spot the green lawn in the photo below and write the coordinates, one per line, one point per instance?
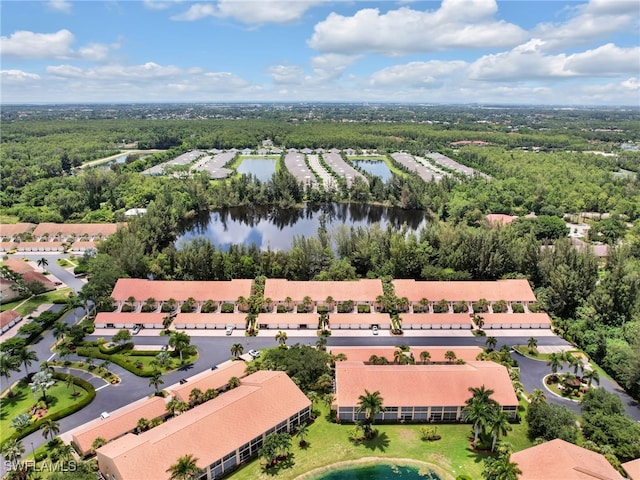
(59, 397)
(329, 443)
(28, 306)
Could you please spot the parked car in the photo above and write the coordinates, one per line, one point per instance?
(136, 329)
(104, 415)
(229, 330)
(374, 330)
(254, 353)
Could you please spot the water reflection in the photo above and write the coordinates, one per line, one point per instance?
(377, 168)
(262, 168)
(275, 228)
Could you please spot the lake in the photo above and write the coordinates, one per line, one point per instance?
(262, 168)
(375, 167)
(275, 228)
(378, 472)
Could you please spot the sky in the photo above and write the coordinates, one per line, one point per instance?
(546, 52)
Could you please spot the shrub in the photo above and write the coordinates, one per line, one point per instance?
(517, 308)
(126, 308)
(227, 308)
(429, 433)
(364, 309)
(460, 307)
(345, 307)
(209, 307)
(281, 309)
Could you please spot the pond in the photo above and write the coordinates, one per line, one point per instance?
(262, 168)
(275, 228)
(379, 472)
(375, 167)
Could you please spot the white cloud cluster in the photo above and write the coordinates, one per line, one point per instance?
(252, 12)
(456, 24)
(429, 74)
(60, 6)
(26, 45)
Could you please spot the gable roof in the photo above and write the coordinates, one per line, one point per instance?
(632, 468)
(278, 289)
(163, 290)
(17, 265)
(510, 290)
(362, 354)
(420, 385)
(263, 400)
(563, 460)
(216, 379)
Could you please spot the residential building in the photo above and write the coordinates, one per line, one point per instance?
(420, 393)
(221, 433)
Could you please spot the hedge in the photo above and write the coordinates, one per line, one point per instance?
(91, 394)
(94, 351)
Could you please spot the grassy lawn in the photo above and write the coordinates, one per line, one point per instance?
(59, 397)
(329, 443)
(28, 306)
(64, 263)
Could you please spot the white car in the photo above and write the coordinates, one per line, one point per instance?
(229, 330)
(374, 330)
(254, 353)
(136, 329)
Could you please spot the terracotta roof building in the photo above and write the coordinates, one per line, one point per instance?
(163, 290)
(18, 265)
(499, 219)
(359, 291)
(511, 290)
(118, 423)
(221, 433)
(8, 319)
(420, 392)
(38, 277)
(12, 229)
(217, 379)
(516, 320)
(76, 229)
(129, 320)
(563, 460)
(363, 354)
(633, 469)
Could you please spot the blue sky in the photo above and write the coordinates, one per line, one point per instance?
(450, 51)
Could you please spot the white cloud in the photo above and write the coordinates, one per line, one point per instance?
(590, 21)
(253, 12)
(195, 12)
(30, 45)
(456, 24)
(147, 71)
(332, 65)
(528, 61)
(159, 4)
(17, 76)
(286, 74)
(60, 6)
(25, 44)
(418, 74)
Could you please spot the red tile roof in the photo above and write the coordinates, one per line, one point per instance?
(78, 229)
(362, 354)
(420, 385)
(216, 379)
(38, 277)
(208, 431)
(119, 422)
(7, 317)
(633, 469)
(278, 289)
(18, 265)
(310, 319)
(11, 229)
(435, 318)
(162, 290)
(509, 290)
(563, 460)
(499, 218)
(514, 318)
(359, 319)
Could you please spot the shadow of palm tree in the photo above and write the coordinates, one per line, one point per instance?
(379, 442)
(273, 470)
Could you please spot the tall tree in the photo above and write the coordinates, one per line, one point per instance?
(236, 350)
(180, 342)
(281, 338)
(498, 425)
(26, 357)
(371, 403)
(50, 428)
(8, 364)
(43, 262)
(156, 380)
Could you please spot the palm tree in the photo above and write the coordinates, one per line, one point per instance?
(478, 409)
(156, 380)
(450, 356)
(425, 357)
(281, 338)
(43, 263)
(12, 450)
(180, 342)
(532, 343)
(50, 428)
(591, 375)
(98, 442)
(329, 302)
(321, 343)
(288, 303)
(8, 364)
(501, 468)
(234, 382)
(236, 350)
(498, 425)
(70, 381)
(537, 396)
(143, 424)
(60, 329)
(479, 321)
(25, 357)
(371, 404)
(555, 362)
(491, 343)
(301, 432)
(307, 302)
(424, 304)
(184, 469)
